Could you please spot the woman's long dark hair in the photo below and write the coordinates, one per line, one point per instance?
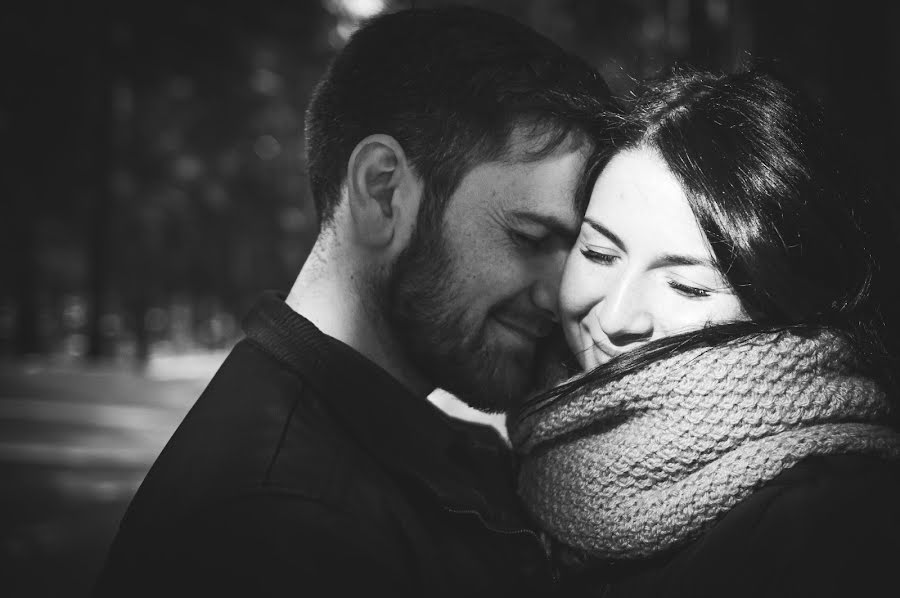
(791, 228)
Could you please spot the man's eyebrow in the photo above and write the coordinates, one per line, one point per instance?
(605, 232)
(549, 221)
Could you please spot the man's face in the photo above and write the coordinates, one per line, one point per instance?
(472, 301)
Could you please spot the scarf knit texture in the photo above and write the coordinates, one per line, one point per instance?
(647, 462)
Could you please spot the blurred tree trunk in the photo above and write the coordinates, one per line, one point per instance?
(140, 266)
(23, 105)
(702, 46)
(23, 244)
(101, 206)
(138, 308)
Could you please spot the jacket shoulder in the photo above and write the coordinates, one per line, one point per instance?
(257, 427)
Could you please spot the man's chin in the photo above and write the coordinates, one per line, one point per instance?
(493, 404)
(498, 393)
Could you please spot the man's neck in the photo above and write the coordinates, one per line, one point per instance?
(335, 305)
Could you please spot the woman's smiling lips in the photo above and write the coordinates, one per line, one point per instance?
(598, 349)
(603, 354)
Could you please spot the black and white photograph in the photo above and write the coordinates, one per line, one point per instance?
(544, 298)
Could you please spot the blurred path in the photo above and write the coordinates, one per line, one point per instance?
(75, 443)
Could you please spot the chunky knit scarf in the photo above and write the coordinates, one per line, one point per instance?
(650, 460)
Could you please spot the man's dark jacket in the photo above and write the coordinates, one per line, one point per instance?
(304, 468)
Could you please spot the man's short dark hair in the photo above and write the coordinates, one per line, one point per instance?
(450, 85)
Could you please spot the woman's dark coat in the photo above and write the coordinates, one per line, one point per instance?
(829, 526)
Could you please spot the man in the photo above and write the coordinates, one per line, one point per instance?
(444, 151)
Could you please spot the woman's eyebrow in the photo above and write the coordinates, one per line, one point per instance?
(671, 259)
(605, 232)
(667, 259)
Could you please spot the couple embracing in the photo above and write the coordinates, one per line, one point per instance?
(672, 301)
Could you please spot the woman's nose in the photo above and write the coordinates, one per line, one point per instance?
(623, 316)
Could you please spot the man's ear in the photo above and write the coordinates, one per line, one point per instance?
(377, 185)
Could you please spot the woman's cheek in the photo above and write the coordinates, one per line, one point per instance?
(575, 294)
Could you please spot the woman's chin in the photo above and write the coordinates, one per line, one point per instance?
(588, 360)
(592, 358)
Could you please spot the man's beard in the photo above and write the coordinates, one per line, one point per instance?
(443, 339)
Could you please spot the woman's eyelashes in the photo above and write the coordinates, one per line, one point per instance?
(605, 258)
(608, 257)
(689, 291)
(598, 257)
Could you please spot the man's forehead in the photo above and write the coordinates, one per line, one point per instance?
(542, 197)
(539, 191)
(544, 189)
(531, 142)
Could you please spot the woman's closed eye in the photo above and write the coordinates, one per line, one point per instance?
(599, 257)
(689, 291)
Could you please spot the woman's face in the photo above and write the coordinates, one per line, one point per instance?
(641, 268)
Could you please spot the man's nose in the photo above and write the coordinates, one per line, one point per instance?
(623, 313)
(545, 288)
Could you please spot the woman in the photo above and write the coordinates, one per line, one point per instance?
(733, 433)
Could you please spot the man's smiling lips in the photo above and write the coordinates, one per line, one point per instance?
(533, 329)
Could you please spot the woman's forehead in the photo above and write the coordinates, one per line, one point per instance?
(640, 201)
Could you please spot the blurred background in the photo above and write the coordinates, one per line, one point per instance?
(153, 182)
